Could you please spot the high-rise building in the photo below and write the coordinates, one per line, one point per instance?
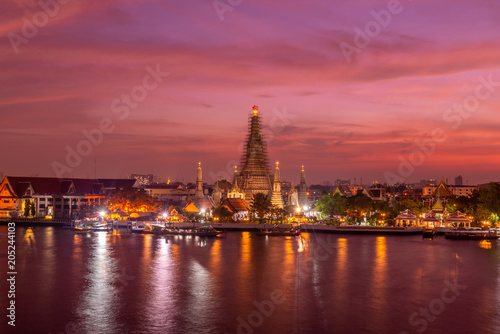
(254, 176)
(459, 180)
(303, 200)
(277, 198)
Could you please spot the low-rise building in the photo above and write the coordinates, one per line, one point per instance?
(68, 198)
(458, 191)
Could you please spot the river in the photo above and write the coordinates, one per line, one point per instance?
(244, 283)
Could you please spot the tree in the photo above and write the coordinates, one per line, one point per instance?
(330, 204)
(278, 213)
(32, 209)
(407, 203)
(222, 213)
(487, 203)
(261, 205)
(360, 203)
(132, 200)
(29, 208)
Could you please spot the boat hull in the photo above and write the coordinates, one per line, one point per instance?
(471, 236)
(279, 233)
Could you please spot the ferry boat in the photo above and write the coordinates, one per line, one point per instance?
(206, 231)
(100, 227)
(275, 231)
(148, 229)
(483, 234)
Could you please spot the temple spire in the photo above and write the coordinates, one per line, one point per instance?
(303, 200)
(199, 182)
(277, 198)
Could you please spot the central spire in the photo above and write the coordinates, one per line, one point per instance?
(255, 110)
(254, 176)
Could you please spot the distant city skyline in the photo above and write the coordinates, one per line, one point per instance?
(379, 90)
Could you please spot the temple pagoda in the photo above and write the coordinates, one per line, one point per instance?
(254, 176)
(277, 198)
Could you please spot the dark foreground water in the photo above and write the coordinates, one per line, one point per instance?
(244, 283)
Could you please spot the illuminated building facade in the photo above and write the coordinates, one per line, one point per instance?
(53, 197)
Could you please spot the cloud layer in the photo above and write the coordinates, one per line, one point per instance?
(344, 117)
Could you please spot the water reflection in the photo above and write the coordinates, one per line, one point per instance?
(379, 282)
(29, 240)
(339, 283)
(100, 299)
(245, 258)
(485, 244)
(343, 284)
(49, 261)
(160, 309)
(341, 271)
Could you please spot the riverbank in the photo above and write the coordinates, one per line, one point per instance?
(248, 227)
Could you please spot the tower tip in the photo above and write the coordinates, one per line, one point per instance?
(255, 110)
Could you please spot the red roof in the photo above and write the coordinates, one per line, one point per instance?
(235, 205)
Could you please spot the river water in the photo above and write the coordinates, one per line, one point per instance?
(244, 283)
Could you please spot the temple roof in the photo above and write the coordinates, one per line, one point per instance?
(442, 190)
(235, 205)
(457, 216)
(343, 190)
(407, 214)
(191, 208)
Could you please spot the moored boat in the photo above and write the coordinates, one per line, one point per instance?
(428, 232)
(148, 229)
(206, 231)
(100, 227)
(83, 229)
(483, 234)
(279, 232)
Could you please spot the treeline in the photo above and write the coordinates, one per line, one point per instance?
(483, 205)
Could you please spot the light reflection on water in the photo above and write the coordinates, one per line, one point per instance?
(104, 283)
(100, 300)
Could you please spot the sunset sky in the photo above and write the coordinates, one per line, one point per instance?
(342, 114)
